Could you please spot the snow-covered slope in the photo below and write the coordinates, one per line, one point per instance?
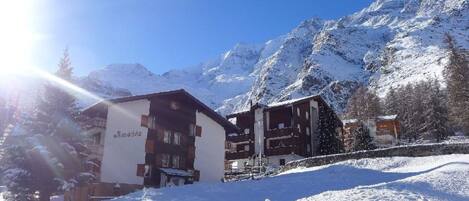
(389, 43)
(397, 178)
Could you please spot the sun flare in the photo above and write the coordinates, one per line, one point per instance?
(16, 36)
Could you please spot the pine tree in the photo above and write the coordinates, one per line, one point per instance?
(54, 144)
(457, 79)
(16, 173)
(435, 126)
(362, 139)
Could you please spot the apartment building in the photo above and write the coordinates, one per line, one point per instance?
(275, 134)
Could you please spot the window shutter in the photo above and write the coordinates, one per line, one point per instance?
(140, 170)
(196, 175)
(150, 146)
(144, 121)
(191, 152)
(198, 131)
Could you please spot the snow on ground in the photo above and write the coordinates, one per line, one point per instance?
(396, 178)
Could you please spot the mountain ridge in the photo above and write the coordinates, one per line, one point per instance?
(389, 43)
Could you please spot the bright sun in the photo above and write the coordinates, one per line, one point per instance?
(16, 37)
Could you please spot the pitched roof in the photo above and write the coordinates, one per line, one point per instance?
(202, 107)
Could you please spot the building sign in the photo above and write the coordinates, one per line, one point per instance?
(122, 134)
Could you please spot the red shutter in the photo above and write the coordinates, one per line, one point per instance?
(196, 175)
(144, 121)
(140, 170)
(198, 131)
(150, 146)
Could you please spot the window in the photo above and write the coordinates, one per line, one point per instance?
(174, 105)
(175, 161)
(97, 138)
(191, 129)
(177, 138)
(152, 122)
(144, 120)
(246, 131)
(182, 162)
(198, 131)
(147, 172)
(299, 127)
(282, 161)
(246, 147)
(167, 137)
(281, 125)
(307, 115)
(307, 131)
(298, 111)
(165, 160)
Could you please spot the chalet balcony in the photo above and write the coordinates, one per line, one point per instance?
(96, 122)
(237, 155)
(281, 151)
(282, 132)
(239, 138)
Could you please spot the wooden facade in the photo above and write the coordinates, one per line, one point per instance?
(384, 129)
(170, 149)
(289, 128)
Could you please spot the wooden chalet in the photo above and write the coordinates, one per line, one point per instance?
(154, 140)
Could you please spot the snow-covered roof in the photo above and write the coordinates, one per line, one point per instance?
(176, 172)
(388, 117)
(291, 101)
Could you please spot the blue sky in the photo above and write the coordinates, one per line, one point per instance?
(164, 35)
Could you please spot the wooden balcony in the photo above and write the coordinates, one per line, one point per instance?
(239, 138)
(282, 132)
(281, 151)
(96, 123)
(238, 155)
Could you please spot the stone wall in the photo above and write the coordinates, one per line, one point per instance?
(409, 151)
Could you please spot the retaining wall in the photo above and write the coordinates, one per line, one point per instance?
(409, 151)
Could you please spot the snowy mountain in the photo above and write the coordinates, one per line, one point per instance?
(389, 43)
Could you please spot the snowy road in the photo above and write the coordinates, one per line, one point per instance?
(398, 178)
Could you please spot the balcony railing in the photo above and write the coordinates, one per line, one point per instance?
(238, 155)
(281, 151)
(239, 138)
(96, 123)
(281, 132)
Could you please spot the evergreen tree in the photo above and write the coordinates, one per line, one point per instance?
(362, 139)
(54, 144)
(457, 79)
(16, 172)
(436, 114)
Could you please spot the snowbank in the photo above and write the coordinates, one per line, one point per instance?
(396, 178)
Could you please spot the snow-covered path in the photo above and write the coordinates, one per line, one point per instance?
(398, 178)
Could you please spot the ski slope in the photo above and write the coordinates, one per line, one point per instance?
(398, 178)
